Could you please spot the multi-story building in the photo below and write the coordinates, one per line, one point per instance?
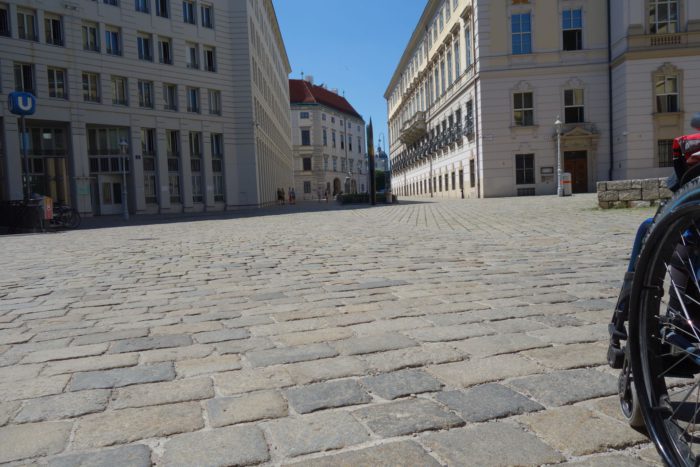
(473, 102)
(188, 97)
(328, 137)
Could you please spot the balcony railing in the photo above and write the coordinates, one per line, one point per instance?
(415, 128)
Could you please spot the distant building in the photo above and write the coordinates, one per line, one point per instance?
(473, 100)
(196, 92)
(328, 137)
(381, 160)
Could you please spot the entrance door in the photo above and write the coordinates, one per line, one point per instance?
(576, 163)
(110, 187)
(336, 186)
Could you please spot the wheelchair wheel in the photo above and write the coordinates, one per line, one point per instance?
(664, 333)
(72, 219)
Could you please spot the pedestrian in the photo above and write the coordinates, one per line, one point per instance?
(292, 196)
(326, 194)
(318, 193)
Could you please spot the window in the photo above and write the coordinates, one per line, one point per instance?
(306, 137)
(4, 20)
(91, 36)
(304, 115)
(524, 169)
(144, 44)
(521, 34)
(26, 24)
(332, 119)
(148, 153)
(572, 30)
(91, 87)
(325, 162)
(449, 68)
(145, 94)
(207, 15)
(342, 141)
(306, 164)
(454, 184)
(359, 145)
(217, 165)
(442, 20)
(53, 29)
(188, 12)
(666, 94)
(325, 137)
(170, 96)
(162, 8)
(196, 166)
(323, 117)
(192, 51)
(214, 102)
(468, 45)
(523, 113)
(209, 59)
(333, 138)
(526, 192)
(663, 16)
(335, 164)
(472, 174)
(307, 187)
(24, 77)
(665, 153)
(112, 41)
(573, 106)
(165, 50)
(442, 77)
(457, 64)
(350, 143)
(57, 83)
(193, 100)
(144, 6)
(172, 138)
(119, 93)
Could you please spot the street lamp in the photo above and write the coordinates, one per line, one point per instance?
(124, 146)
(558, 125)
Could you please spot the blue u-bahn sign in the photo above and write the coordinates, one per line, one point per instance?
(22, 103)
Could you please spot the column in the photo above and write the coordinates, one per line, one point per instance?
(13, 158)
(185, 171)
(163, 188)
(79, 169)
(207, 171)
(136, 190)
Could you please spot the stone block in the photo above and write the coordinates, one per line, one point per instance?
(8, 410)
(604, 205)
(19, 372)
(67, 405)
(483, 370)
(102, 362)
(608, 195)
(325, 369)
(221, 335)
(630, 195)
(318, 396)
(169, 392)
(487, 402)
(567, 386)
(101, 337)
(650, 195)
(246, 408)
(601, 186)
(237, 382)
(244, 345)
(401, 383)
(498, 344)
(186, 328)
(650, 184)
(210, 364)
(371, 344)
(33, 440)
(221, 446)
(122, 377)
(35, 387)
(619, 204)
(135, 455)
(406, 417)
(149, 343)
(665, 193)
(314, 336)
(302, 353)
(564, 357)
(403, 453)
(176, 353)
(65, 354)
(427, 353)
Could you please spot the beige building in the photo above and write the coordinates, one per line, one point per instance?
(328, 137)
(191, 94)
(473, 101)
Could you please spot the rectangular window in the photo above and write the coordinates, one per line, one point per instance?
(195, 140)
(468, 45)
(170, 96)
(91, 87)
(111, 2)
(457, 64)
(307, 187)
(214, 102)
(350, 143)
(454, 184)
(304, 115)
(573, 106)
(91, 38)
(173, 149)
(4, 21)
(666, 88)
(333, 138)
(306, 164)
(210, 59)
(472, 174)
(193, 100)
(145, 94)
(119, 91)
(148, 152)
(144, 44)
(342, 141)
(162, 8)
(449, 68)
(442, 77)
(521, 34)
(24, 77)
(188, 12)
(335, 164)
(217, 165)
(524, 169)
(572, 30)
(306, 137)
(207, 15)
(26, 24)
(113, 41)
(192, 51)
(165, 50)
(664, 153)
(663, 16)
(144, 6)
(53, 29)
(57, 83)
(523, 111)
(325, 137)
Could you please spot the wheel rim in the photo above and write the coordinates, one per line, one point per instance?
(668, 333)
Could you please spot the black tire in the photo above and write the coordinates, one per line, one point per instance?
(72, 219)
(663, 337)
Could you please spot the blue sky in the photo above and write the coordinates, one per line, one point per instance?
(350, 45)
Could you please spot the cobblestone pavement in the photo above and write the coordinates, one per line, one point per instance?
(453, 333)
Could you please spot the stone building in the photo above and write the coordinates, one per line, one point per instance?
(328, 137)
(473, 102)
(188, 97)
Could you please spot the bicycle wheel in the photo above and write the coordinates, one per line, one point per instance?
(72, 219)
(665, 333)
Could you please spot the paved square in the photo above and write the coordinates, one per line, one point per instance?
(318, 334)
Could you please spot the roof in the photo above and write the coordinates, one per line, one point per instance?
(303, 92)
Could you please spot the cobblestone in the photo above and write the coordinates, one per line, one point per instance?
(223, 446)
(144, 395)
(135, 455)
(401, 383)
(565, 387)
(246, 408)
(72, 404)
(487, 402)
(406, 417)
(122, 376)
(404, 453)
(33, 439)
(317, 396)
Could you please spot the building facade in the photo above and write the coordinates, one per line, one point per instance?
(188, 98)
(473, 102)
(328, 137)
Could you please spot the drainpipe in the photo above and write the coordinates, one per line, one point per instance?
(610, 94)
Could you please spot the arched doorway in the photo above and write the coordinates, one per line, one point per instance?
(336, 186)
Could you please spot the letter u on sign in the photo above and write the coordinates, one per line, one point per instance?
(22, 103)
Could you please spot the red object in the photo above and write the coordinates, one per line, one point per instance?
(48, 208)
(303, 92)
(688, 147)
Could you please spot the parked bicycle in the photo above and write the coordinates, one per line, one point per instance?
(65, 216)
(655, 329)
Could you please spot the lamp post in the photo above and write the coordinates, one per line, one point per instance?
(124, 146)
(560, 188)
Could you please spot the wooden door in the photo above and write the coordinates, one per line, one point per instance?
(576, 163)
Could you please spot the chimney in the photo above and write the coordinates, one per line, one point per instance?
(309, 79)
(334, 91)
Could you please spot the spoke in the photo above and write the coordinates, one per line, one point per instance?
(684, 399)
(680, 299)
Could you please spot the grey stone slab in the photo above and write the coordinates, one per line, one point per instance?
(318, 396)
(64, 354)
(8, 410)
(67, 405)
(403, 453)
(493, 444)
(371, 344)
(486, 402)
(406, 417)
(450, 333)
(325, 369)
(221, 335)
(33, 440)
(427, 353)
(135, 455)
(122, 377)
(484, 370)
(246, 408)
(218, 447)
(244, 345)
(18, 372)
(149, 343)
(237, 382)
(101, 362)
(303, 353)
(210, 364)
(291, 437)
(101, 337)
(143, 395)
(401, 383)
(565, 387)
(35, 387)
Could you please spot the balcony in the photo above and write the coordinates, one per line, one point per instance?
(414, 129)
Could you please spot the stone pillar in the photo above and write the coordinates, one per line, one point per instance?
(138, 197)
(163, 190)
(13, 158)
(207, 173)
(79, 168)
(185, 172)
